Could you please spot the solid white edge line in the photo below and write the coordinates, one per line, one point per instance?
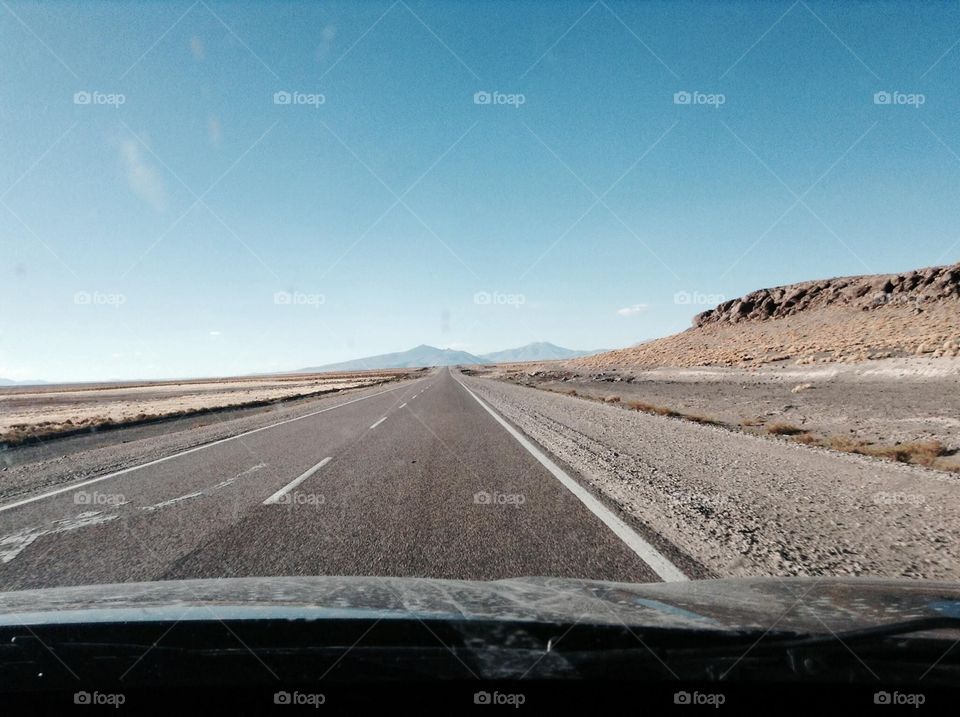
(378, 422)
(667, 571)
(91, 481)
(275, 498)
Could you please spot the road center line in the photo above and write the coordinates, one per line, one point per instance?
(275, 498)
(379, 422)
(91, 481)
(667, 571)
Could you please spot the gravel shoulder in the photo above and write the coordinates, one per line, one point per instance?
(880, 403)
(742, 505)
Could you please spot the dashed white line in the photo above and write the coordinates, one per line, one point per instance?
(275, 498)
(646, 552)
(172, 501)
(379, 422)
(401, 405)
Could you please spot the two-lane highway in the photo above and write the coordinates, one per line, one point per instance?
(420, 479)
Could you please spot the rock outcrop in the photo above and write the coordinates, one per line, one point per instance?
(915, 288)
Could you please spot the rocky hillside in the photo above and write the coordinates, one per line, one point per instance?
(914, 289)
(848, 319)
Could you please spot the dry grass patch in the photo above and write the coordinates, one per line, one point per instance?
(784, 429)
(705, 420)
(650, 408)
(923, 453)
(845, 444)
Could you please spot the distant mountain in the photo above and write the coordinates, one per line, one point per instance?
(10, 382)
(422, 355)
(537, 351)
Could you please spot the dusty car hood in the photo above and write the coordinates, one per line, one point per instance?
(813, 605)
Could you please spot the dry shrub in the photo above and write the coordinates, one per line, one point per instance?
(924, 453)
(650, 408)
(784, 429)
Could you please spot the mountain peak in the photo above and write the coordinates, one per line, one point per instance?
(426, 355)
(536, 351)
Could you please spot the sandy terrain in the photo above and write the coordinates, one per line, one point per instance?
(44, 411)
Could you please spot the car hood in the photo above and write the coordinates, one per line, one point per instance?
(808, 605)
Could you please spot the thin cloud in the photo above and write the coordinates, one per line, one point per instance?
(143, 179)
(632, 310)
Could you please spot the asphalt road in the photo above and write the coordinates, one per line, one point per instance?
(419, 479)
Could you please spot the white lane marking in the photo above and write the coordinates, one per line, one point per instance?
(238, 476)
(275, 498)
(172, 501)
(12, 545)
(91, 481)
(379, 422)
(401, 405)
(667, 571)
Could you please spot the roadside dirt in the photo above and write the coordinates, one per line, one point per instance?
(874, 404)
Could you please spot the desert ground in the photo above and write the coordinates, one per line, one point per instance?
(46, 411)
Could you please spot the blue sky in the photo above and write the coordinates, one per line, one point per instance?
(183, 223)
